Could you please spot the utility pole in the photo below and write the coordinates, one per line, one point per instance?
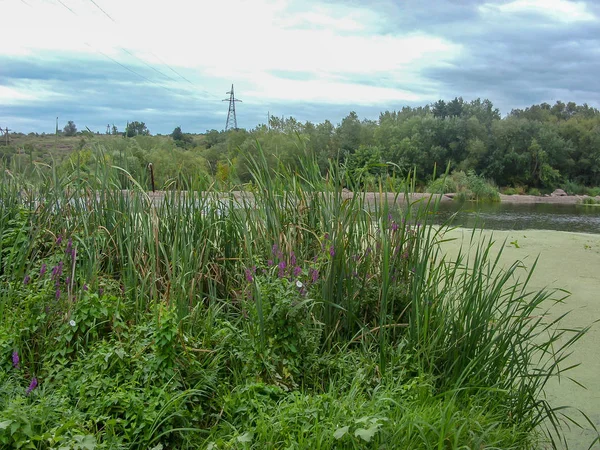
(107, 128)
(231, 118)
(6, 130)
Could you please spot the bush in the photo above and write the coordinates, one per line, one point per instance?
(467, 186)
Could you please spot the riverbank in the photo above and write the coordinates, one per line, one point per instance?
(568, 261)
(394, 198)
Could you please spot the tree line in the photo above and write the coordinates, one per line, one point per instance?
(543, 146)
(538, 148)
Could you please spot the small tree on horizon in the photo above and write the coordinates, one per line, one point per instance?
(70, 129)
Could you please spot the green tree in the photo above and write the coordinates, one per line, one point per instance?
(177, 134)
(136, 129)
(70, 129)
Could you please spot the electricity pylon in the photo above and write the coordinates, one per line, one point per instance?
(231, 118)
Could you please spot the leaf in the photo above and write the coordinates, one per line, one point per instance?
(340, 432)
(4, 425)
(246, 437)
(367, 434)
(158, 446)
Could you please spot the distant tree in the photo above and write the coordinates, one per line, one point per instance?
(70, 129)
(177, 134)
(136, 129)
(115, 131)
(439, 109)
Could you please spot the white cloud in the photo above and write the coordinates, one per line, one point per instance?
(557, 10)
(235, 40)
(27, 92)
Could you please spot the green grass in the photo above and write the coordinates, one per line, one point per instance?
(292, 318)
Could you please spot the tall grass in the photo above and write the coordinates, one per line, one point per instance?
(382, 280)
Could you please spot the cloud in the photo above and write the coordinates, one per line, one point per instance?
(171, 64)
(556, 10)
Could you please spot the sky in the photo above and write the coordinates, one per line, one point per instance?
(169, 64)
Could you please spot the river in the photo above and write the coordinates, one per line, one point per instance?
(537, 216)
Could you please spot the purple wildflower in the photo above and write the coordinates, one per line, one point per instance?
(15, 359)
(326, 236)
(43, 270)
(57, 270)
(297, 271)
(389, 216)
(270, 263)
(249, 277)
(68, 280)
(281, 266)
(26, 280)
(59, 240)
(69, 249)
(394, 226)
(274, 249)
(57, 294)
(74, 254)
(100, 291)
(292, 259)
(85, 287)
(331, 251)
(314, 275)
(32, 385)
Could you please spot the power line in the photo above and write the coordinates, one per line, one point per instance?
(155, 55)
(117, 62)
(60, 1)
(105, 13)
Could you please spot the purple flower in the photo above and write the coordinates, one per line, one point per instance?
(297, 271)
(292, 259)
(281, 266)
(331, 251)
(394, 226)
(249, 277)
(69, 249)
(389, 216)
(57, 270)
(15, 359)
(85, 287)
(68, 280)
(43, 270)
(26, 280)
(270, 263)
(57, 294)
(32, 385)
(274, 249)
(314, 275)
(100, 291)
(326, 236)
(58, 240)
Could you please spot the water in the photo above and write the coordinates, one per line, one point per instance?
(538, 216)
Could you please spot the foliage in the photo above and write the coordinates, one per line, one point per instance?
(70, 129)
(467, 187)
(293, 317)
(136, 129)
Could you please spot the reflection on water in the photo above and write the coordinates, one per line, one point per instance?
(539, 216)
